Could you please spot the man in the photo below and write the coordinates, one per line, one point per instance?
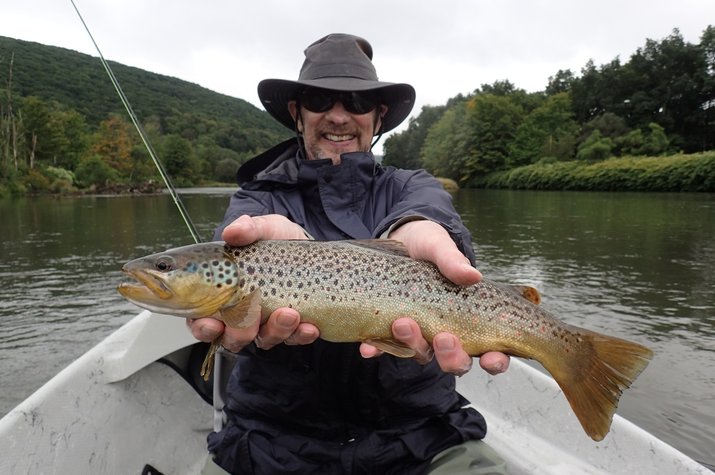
(298, 404)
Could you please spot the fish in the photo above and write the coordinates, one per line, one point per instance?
(354, 290)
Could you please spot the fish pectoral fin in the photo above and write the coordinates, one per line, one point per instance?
(528, 292)
(392, 347)
(245, 313)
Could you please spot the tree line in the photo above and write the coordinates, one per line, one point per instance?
(63, 128)
(660, 102)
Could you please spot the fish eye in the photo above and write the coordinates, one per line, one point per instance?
(165, 264)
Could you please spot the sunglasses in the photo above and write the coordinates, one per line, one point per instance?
(322, 100)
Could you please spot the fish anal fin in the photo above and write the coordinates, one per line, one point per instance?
(392, 347)
(594, 380)
(245, 313)
(529, 293)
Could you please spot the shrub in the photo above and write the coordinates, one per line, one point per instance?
(93, 171)
(35, 181)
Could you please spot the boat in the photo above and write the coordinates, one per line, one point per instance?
(135, 404)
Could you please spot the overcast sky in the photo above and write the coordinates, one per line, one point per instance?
(441, 47)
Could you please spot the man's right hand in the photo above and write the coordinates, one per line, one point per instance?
(283, 325)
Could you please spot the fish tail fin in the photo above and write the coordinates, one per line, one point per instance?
(594, 382)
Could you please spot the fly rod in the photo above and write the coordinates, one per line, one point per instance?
(217, 367)
(145, 139)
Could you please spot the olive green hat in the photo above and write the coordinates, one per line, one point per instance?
(338, 62)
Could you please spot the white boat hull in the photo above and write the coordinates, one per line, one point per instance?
(115, 410)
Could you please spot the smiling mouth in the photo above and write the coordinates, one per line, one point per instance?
(339, 138)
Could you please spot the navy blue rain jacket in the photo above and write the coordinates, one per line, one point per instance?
(322, 408)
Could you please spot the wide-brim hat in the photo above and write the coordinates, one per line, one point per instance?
(338, 62)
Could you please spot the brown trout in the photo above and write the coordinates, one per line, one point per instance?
(353, 291)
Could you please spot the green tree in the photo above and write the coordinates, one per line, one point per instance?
(94, 172)
(596, 147)
(113, 143)
(560, 82)
(179, 160)
(403, 150)
(445, 147)
(226, 170)
(491, 124)
(548, 131)
(656, 142)
(42, 134)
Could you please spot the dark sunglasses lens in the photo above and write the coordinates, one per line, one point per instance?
(318, 101)
(354, 102)
(360, 102)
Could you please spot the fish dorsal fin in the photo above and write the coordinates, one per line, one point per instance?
(528, 292)
(384, 245)
(245, 313)
(392, 347)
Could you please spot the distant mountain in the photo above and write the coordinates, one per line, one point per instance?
(79, 81)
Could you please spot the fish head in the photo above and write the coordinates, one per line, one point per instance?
(191, 281)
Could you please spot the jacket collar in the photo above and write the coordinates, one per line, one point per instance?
(281, 164)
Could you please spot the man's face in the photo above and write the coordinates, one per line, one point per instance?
(336, 131)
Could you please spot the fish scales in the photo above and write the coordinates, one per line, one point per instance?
(354, 290)
(342, 281)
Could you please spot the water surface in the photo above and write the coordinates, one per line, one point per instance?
(639, 266)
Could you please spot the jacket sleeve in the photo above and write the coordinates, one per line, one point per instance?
(252, 203)
(418, 195)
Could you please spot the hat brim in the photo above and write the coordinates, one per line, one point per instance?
(276, 93)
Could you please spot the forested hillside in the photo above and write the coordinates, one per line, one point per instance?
(658, 103)
(62, 125)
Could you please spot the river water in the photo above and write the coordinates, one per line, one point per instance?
(640, 266)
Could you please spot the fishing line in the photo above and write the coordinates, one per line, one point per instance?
(145, 139)
(218, 382)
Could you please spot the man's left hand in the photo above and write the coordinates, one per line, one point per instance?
(429, 241)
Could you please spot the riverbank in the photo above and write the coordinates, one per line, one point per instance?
(692, 172)
(673, 173)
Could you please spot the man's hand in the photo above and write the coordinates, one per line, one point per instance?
(283, 325)
(429, 241)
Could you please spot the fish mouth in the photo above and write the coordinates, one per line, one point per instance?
(148, 286)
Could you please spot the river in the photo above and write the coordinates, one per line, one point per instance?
(637, 265)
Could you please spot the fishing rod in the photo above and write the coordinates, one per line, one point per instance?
(218, 360)
(145, 139)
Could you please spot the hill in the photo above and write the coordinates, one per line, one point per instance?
(78, 81)
(54, 89)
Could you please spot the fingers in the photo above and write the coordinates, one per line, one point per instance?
(407, 331)
(284, 326)
(205, 329)
(209, 329)
(494, 362)
(450, 355)
(446, 349)
(246, 229)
